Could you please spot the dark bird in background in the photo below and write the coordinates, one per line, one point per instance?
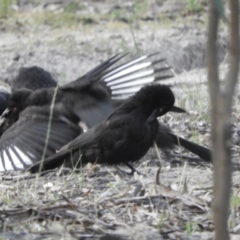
(32, 78)
(90, 98)
(126, 135)
(28, 77)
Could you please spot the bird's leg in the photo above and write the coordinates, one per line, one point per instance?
(131, 167)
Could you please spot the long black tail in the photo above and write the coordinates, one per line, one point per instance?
(167, 140)
(202, 152)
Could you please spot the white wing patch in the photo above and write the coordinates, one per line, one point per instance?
(134, 83)
(23, 156)
(127, 71)
(1, 165)
(127, 65)
(127, 79)
(31, 155)
(17, 163)
(131, 77)
(8, 164)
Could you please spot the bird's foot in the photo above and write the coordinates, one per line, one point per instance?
(133, 170)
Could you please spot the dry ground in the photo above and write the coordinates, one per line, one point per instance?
(68, 38)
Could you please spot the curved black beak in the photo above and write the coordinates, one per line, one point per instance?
(177, 110)
(159, 112)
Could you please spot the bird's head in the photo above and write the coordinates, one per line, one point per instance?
(159, 97)
(152, 100)
(17, 100)
(32, 78)
(16, 104)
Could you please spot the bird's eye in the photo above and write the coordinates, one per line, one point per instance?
(160, 109)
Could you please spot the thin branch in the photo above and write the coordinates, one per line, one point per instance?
(234, 52)
(212, 52)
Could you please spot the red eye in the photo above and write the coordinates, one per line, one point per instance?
(14, 109)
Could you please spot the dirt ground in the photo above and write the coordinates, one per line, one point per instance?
(70, 37)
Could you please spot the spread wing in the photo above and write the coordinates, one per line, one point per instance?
(87, 140)
(114, 85)
(24, 143)
(126, 78)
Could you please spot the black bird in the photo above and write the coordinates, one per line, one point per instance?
(32, 78)
(90, 99)
(126, 135)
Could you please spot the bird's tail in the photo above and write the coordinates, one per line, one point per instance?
(166, 140)
(202, 152)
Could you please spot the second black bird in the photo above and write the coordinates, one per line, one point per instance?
(32, 78)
